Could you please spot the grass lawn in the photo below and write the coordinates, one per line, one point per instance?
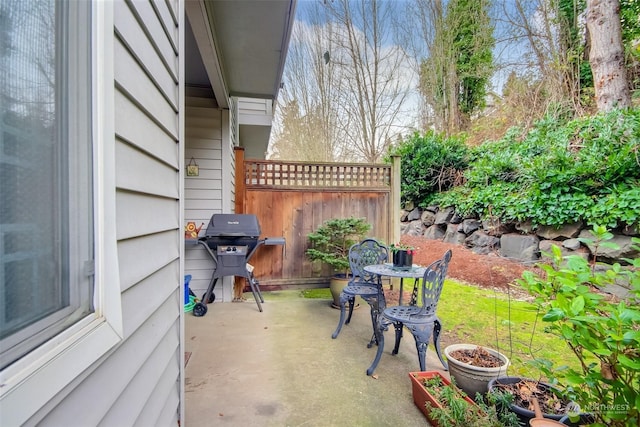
(489, 318)
(474, 315)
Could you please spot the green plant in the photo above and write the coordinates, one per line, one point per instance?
(330, 243)
(602, 333)
(431, 163)
(559, 172)
(395, 247)
(457, 411)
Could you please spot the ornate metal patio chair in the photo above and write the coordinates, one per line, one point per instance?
(363, 284)
(419, 316)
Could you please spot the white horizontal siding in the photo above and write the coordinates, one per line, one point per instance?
(256, 112)
(141, 377)
(203, 193)
(203, 133)
(136, 127)
(141, 301)
(166, 47)
(163, 398)
(136, 171)
(139, 215)
(210, 205)
(143, 91)
(143, 385)
(203, 153)
(164, 416)
(97, 395)
(203, 163)
(203, 184)
(143, 48)
(157, 250)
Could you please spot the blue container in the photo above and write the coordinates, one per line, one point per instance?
(187, 279)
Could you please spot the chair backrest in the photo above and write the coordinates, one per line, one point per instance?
(432, 283)
(367, 252)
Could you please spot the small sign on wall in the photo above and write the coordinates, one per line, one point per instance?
(192, 168)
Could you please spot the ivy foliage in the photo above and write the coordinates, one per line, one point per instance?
(587, 169)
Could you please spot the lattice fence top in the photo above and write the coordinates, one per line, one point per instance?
(267, 173)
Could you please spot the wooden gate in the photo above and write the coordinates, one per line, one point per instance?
(291, 199)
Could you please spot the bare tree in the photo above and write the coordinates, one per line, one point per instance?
(308, 110)
(375, 70)
(607, 54)
(549, 35)
(348, 78)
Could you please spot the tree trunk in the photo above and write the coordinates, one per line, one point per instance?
(607, 55)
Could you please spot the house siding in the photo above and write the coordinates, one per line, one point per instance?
(138, 382)
(206, 127)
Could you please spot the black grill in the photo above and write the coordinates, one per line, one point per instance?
(231, 240)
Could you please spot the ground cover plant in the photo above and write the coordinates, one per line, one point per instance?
(559, 172)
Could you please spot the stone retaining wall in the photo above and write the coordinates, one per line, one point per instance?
(518, 241)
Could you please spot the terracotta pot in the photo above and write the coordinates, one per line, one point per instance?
(421, 395)
(474, 379)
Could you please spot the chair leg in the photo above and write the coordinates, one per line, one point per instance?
(437, 327)
(379, 332)
(422, 335)
(343, 301)
(375, 312)
(352, 301)
(398, 327)
(422, 353)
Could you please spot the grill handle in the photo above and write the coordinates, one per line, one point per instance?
(272, 241)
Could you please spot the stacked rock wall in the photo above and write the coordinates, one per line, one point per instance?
(518, 241)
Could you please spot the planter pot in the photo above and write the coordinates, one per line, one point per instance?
(474, 379)
(336, 285)
(525, 414)
(402, 259)
(421, 395)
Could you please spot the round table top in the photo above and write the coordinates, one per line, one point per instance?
(387, 269)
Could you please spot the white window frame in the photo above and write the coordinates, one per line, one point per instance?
(30, 383)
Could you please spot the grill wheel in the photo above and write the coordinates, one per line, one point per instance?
(199, 309)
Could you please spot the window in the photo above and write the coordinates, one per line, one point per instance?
(46, 196)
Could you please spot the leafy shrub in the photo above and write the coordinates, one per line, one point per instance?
(604, 335)
(585, 170)
(431, 163)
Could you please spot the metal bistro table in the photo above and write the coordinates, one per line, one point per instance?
(416, 272)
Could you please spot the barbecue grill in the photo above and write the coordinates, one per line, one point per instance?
(231, 240)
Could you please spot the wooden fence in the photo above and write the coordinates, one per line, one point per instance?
(291, 199)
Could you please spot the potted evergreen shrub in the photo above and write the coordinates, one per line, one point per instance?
(330, 244)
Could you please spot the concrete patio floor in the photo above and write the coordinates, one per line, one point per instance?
(281, 367)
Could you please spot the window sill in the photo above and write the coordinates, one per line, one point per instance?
(27, 385)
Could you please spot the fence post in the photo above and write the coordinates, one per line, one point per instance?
(394, 200)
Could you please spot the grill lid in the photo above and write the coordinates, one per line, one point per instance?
(233, 225)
